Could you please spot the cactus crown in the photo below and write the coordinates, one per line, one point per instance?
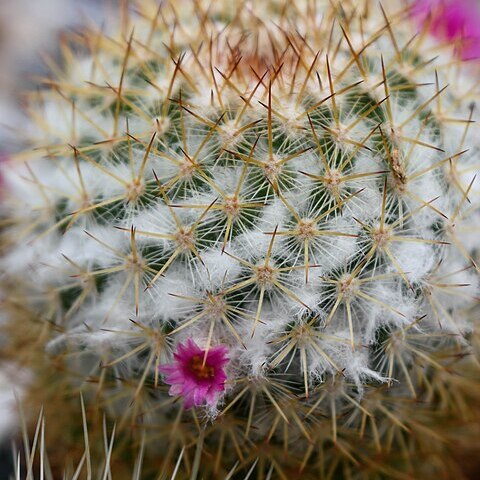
(293, 182)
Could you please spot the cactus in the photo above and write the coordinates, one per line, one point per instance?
(250, 236)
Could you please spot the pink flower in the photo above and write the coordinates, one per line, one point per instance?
(452, 20)
(197, 377)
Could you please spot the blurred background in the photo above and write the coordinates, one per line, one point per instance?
(29, 29)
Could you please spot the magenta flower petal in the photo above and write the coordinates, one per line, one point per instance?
(452, 20)
(196, 375)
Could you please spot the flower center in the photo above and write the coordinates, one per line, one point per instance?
(200, 369)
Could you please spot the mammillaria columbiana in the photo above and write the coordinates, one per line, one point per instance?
(289, 184)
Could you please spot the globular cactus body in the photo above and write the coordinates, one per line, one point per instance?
(289, 185)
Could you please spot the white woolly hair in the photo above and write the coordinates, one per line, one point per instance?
(313, 211)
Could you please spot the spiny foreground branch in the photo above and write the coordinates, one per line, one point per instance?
(294, 181)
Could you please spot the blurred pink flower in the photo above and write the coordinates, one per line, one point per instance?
(197, 377)
(452, 20)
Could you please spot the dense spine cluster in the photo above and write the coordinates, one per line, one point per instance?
(290, 183)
